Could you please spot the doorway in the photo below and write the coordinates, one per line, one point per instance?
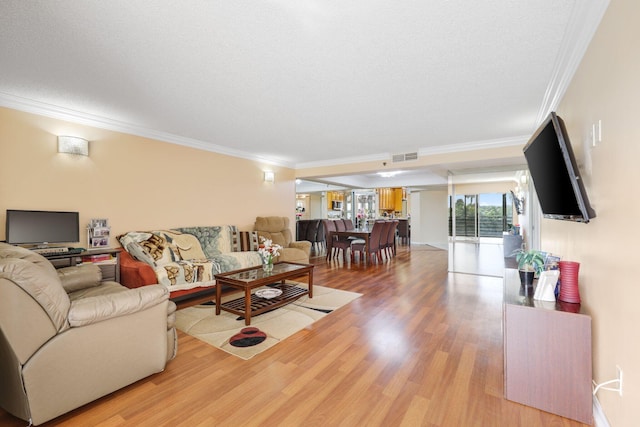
(481, 209)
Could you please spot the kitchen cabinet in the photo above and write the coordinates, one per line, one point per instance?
(334, 196)
(385, 199)
(390, 199)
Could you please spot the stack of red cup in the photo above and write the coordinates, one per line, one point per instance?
(569, 291)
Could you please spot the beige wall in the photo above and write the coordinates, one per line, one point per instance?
(607, 87)
(430, 218)
(485, 187)
(137, 183)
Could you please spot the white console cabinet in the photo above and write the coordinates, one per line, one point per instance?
(547, 353)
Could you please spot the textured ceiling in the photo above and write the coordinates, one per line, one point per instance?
(297, 83)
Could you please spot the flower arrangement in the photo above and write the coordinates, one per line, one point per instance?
(361, 217)
(268, 251)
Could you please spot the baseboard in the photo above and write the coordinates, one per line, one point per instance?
(439, 245)
(599, 419)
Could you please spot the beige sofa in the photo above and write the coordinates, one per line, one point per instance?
(67, 338)
(186, 259)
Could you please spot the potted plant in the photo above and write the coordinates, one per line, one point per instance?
(530, 263)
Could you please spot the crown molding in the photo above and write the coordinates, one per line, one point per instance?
(61, 113)
(583, 25)
(475, 145)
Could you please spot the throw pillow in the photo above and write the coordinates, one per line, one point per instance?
(242, 241)
(153, 247)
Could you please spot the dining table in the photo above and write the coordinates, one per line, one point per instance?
(356, 233)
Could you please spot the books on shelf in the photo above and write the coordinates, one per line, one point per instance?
(97, 258)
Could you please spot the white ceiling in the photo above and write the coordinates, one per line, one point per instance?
(298, 83)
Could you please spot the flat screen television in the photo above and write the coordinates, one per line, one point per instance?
(555, 173)
(42, 227)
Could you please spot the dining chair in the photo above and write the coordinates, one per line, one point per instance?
(384, 237)
(321, 238)
(329, 226)
(374, 243)
(404, 231)
(341, 243)
(311, 233)
(390, 238)
(301, 229)
(348, 224)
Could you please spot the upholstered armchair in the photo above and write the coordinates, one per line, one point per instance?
(67, 338)
(277, 229)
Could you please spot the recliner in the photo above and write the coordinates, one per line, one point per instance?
(67, 338)
(276, 229)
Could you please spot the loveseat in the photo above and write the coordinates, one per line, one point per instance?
(185, 260)
(68, 338)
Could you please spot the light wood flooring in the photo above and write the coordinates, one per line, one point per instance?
(421, 347)
(485, 258)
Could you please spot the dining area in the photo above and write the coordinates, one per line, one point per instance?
(371, 242)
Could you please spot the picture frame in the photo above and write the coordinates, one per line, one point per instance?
(98, 232)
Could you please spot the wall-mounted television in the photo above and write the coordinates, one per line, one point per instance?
(42, 227)
(555, 173)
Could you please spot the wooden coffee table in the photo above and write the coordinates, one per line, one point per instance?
(254, 277)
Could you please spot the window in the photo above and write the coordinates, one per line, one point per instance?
(481, 215)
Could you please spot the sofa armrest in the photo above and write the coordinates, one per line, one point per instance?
(134, 273)
(302, 245)
(97, 308)
(79, 277)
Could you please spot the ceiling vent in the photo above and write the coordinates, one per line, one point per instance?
(404, 157)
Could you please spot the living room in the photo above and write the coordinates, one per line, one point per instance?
(142, 183)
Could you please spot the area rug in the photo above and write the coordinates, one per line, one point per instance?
(267, 329)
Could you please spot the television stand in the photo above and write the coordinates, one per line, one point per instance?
(46, 250)
(110, 268)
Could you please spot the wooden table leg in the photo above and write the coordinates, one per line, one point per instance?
(366, 248)
(310, 283)
(247, 306)
(218, 297)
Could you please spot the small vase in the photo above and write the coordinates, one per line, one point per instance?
(569, 291)
(526, 277)
(526, 282)
(267, 266)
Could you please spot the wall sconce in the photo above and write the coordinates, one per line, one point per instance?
(269, 176)
(73, 145)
